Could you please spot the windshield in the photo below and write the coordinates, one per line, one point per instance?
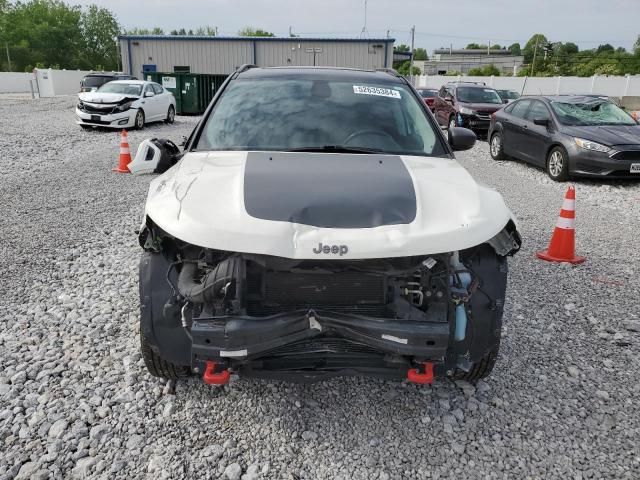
(95, 81)
(591, 113)
(133, 89)
(303, 113)
(478, 95)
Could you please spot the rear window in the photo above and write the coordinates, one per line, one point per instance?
(428, 93)
(96, 80)
(283, 114)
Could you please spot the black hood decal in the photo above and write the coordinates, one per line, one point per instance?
(329, 190)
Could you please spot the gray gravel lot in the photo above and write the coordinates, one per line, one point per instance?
(76, 401)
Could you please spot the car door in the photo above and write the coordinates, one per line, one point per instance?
(164, 99)
(150, 107)
(442, 106)
(513, 129)
(537, 137)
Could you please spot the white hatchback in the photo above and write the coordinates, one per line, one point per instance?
(125, 104)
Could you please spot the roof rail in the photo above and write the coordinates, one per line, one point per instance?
(244, 68)
(466, 81)
(390, 71)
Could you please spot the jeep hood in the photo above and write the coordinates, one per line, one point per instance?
(287, 204)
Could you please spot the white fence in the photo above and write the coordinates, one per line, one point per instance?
(45, 82)
(610, 86)
(15, 82)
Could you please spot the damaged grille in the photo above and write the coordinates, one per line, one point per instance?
(345, 292)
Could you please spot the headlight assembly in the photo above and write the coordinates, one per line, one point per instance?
(593, 146)
(124, 107)
(466, 111)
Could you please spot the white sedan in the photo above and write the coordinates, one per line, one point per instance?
(125, 104)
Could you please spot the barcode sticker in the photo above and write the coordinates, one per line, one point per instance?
(378, 91)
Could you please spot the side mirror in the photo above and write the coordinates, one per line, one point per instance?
(506, 100)
(149, 94)
(541, 121)
(461, 138)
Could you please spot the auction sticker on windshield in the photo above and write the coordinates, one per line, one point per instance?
(379, 91)
(635, 168)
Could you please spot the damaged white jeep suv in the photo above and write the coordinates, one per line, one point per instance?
(318, 225)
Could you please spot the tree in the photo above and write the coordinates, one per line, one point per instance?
(636, 46)
(486, 71)
(495, 46)
(45, 32)
(403, 69)
(605, 48)
(99, 32)
(254, 32)
(529, 49)
(420, 54)
(402, 48)
(157, 31)
(474, 46)
(514, 48)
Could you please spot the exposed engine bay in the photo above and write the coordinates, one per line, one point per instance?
(271, 316)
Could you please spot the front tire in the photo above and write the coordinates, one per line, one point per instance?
(558, 164)
(481, 369)
(496, 148)
(139, 120)
(159, 367)
(171, 115)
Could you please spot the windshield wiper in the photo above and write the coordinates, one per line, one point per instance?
(335, 149)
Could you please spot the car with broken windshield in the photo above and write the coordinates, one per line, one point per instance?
(318, 225)
(568, 135)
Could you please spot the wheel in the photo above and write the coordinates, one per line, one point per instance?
(452, 121)
(159, 367)
(481, 369)
(164, 345)
(558, 164)
(171, 115)
(495, 147)
(139, 121)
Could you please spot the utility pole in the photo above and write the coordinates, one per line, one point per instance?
(413, 34)
(6, 45)
(535, 51)
(290, 34)
(489, 48)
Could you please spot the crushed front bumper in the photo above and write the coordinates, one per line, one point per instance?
(246, 338)
(116, 120)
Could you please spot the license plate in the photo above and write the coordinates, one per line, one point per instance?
(635, 168)
(95, 118)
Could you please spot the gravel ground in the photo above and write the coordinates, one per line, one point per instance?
(76, 401)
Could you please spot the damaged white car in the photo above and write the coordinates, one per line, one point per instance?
(125, 104)
(318, 225)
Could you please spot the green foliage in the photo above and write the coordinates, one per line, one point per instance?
(254, 32)
(99, 30)
(420, 54)
(529, 49)
(403, 69)
(515, 49)
(402, 48)
(50, 34)
(486, 71)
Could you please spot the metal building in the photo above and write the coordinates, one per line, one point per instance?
(447, 60)
(222, 55)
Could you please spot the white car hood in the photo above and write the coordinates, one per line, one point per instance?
(99, 97)
(201, 201)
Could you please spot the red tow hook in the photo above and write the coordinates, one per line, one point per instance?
(212, 378)
(414, 375)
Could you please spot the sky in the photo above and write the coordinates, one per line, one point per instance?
(438, 23)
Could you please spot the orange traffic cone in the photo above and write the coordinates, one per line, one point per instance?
(125, 154)
(562, 244)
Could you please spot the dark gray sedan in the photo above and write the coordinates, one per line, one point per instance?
(568, 135)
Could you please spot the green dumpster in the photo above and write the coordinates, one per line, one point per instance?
(193, 91)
